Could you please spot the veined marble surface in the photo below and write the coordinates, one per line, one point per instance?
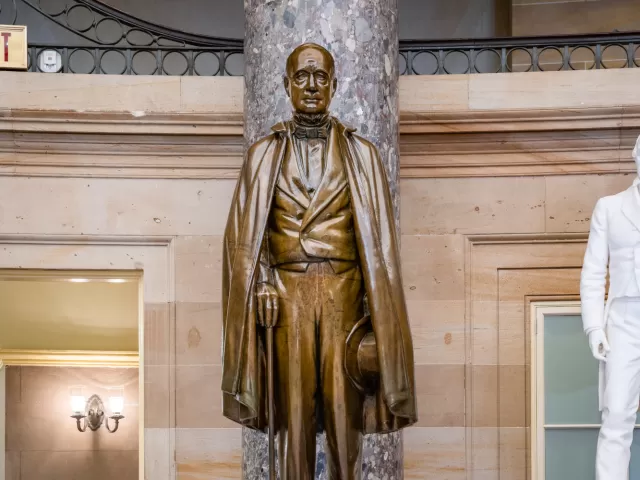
(382, 457)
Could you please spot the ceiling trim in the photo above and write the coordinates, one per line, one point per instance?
(51, 358)
(72, 276)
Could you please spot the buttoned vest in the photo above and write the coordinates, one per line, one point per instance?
(312, 226)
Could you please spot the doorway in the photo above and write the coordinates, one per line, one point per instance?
(71, 390)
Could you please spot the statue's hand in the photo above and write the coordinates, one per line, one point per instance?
(267, 297)
(599, 344)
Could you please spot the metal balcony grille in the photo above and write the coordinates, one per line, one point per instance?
(103, 40)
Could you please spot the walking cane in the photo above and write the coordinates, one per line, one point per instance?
(270, 387)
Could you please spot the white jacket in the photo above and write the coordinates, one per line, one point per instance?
(614, 239)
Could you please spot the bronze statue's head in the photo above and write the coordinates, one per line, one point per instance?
(310, 80)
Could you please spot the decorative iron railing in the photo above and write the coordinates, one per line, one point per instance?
(199, 61)
(102, 40)
(521, 54)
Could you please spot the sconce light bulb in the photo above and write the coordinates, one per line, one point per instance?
(78, 404)
(117, 405)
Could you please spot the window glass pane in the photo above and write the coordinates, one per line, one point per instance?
(570, 373)
(571, 454)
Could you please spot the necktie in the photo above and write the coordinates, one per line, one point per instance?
(311, 132)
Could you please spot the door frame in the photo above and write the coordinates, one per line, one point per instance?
(537, 430)
(77, 358)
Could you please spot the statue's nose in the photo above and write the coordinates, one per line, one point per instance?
(312, 83)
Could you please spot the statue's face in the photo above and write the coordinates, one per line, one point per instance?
(310, 81)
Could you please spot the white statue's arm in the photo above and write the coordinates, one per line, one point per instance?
(593, 282)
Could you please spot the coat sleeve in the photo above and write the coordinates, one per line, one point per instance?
(235, 250)
(382, 196)
(242, 383)
(232, 229)
(265, 273)
(399, 384)
(594, 271)
(236, 217)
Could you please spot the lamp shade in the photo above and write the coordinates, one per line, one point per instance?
(78, 404)
(116, 400)
(116, 403)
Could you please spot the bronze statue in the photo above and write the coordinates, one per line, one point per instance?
(310, 234)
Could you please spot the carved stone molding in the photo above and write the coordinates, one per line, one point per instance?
(504, 273)
(527, 238)
(86, 240)
(69, 359)
(432, 144)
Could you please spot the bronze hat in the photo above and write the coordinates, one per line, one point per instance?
(361, 356)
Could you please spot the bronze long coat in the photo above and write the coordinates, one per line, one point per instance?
(243, 386)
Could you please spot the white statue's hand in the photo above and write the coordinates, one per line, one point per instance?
(599, 344)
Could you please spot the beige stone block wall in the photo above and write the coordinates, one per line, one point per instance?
(499, 174)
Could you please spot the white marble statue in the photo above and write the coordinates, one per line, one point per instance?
(614, 328)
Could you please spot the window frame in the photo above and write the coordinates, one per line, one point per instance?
(537, 430)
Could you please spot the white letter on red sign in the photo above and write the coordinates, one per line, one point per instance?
(5, 42)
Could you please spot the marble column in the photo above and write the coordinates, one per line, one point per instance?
(362, 35)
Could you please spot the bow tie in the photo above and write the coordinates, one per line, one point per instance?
(311, 132)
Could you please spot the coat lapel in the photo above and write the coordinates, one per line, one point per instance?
(631, 206)
(334, 179)
(290, 182)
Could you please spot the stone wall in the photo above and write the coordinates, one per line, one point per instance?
(499, 174)
(43, 443)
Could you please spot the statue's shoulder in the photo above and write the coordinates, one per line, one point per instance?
(350, 133)
(616, 197)
(347, 129)
(280, 128)
(259, 147)
(610, 202)
(364, 143)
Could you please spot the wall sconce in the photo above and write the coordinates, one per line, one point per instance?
(91, 413)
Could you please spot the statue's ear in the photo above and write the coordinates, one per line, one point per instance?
(335, 85)
(287, 84)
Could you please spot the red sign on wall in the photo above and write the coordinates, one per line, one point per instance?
(13, 47)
